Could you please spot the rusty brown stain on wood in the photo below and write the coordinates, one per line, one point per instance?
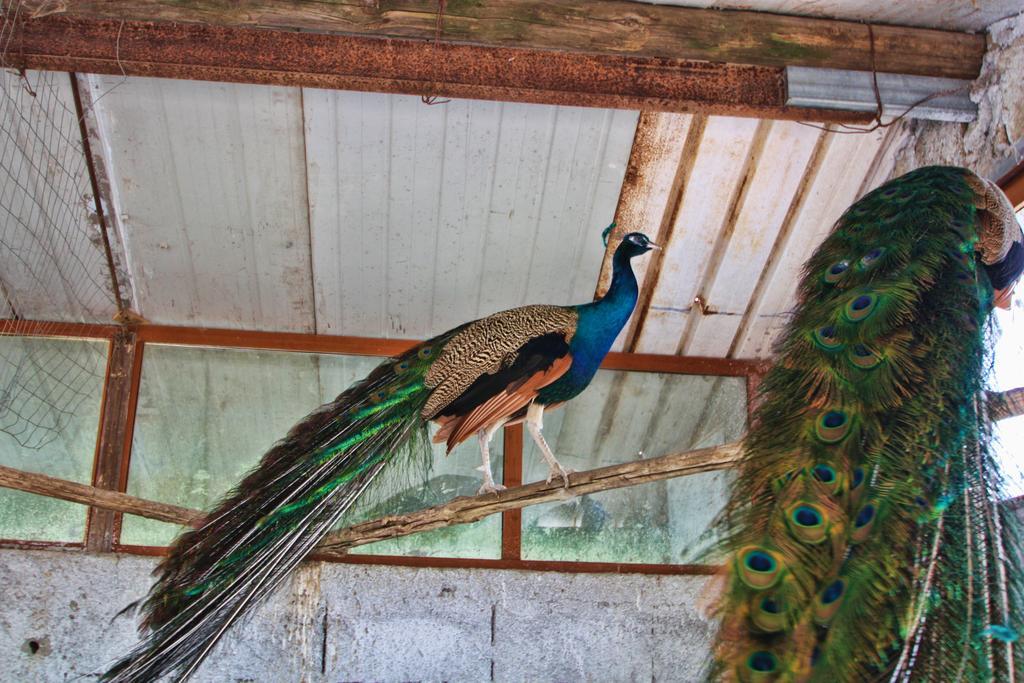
(512, 476)
(666, 232)
(199, 51)
(654, 145)
(1012, 184)
(111, 454)
(602, 26)
(356, 346)
(782, 238)
(725, 232)
(461, 562)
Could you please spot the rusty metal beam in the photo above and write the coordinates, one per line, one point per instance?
(280, 57)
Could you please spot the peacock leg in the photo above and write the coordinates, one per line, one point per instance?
(484, 435)
(535, 423)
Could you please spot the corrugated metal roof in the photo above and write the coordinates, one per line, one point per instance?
(378, 215)
(424, 217)
(209, 188)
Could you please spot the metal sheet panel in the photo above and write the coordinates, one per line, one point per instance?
(209, 183)
(766, 204)
(424, 217)
(705, 206)
(961, 15)
(837, 183)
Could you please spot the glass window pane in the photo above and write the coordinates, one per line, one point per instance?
(626, 416)
(455, 475)
(50, 396)
(206, 416)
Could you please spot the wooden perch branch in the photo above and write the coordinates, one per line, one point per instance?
(457, 511)
(461, 510)
(466, 509)
(52, 487)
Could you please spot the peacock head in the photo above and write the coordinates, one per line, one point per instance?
(634, 244)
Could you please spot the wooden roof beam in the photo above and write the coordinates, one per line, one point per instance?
(606, 53)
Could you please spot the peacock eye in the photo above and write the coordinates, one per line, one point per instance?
(836, 271)
(869, 259)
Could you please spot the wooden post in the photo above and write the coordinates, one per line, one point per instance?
(114, 440)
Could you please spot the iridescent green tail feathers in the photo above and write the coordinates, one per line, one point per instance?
(277, 515)
(864, 537)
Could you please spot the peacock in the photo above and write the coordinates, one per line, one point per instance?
(502, 369)
(863, 536)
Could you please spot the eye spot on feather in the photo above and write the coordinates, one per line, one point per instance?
(758, 568)
(807, 516)
(832, 426)
(833, 592)
(828, 601)
(425, 352)
(827, 338)
(825, 474)
(763, 662)
(759, 562)
(836, 271)
(860, 307)
(857, 487)
(863, 357)
(807, 523)
(767, 614)
(862, 523)
(858, 476)
(866, 514)
(401, 367)
(871, 258)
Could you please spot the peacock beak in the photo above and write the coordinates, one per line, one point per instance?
(652, 245)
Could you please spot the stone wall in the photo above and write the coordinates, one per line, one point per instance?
(342, 622)
(993, 143)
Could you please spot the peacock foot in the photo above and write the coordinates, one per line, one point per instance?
(558, 471)
(489, 487)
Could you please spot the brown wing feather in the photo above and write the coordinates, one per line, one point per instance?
(503, 404)
(487, 345)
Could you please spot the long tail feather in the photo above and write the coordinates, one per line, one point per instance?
(277, 515)
(863, 532)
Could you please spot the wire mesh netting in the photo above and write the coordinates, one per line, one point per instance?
(52, 262)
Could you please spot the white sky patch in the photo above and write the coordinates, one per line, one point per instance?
(1009, 374)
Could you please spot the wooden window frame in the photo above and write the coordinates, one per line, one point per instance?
(112, 457)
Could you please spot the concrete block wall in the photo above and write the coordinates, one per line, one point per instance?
(338, 622)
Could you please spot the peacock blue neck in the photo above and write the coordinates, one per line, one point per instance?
(599, 324)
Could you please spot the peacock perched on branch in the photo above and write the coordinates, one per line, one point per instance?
(499, 370)
(864, 535)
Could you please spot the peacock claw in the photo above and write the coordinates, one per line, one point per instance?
(490, 487)
(560, 471)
